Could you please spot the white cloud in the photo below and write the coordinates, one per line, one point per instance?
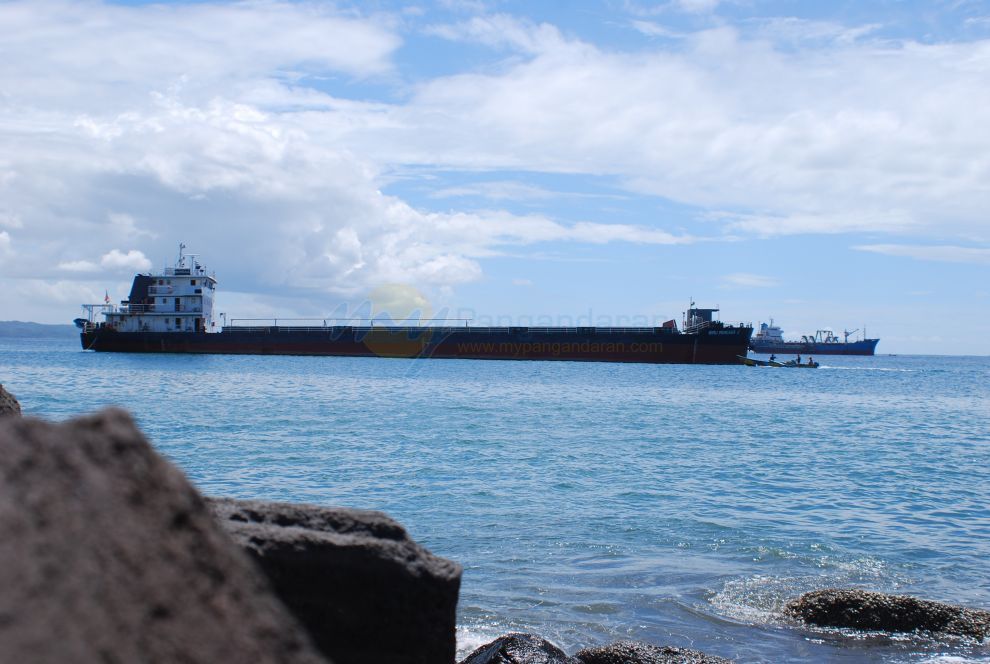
(510, 190)
(683, 6)
(654, 29)
(601, 233)
(941, 253)
(399, 302)
(793, 139)
(79, 266)
(501, 190)
(133, 260)
(48, 293)
(4, 243)
(796, 30)
(825, 222)
(697, 6)
(747, 280)
(126, 226)
(503, 31)
(522, 282)
(472, 6)
(96, 51)
(8, 220)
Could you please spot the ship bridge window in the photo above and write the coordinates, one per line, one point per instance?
(192, 282)
(161, 282)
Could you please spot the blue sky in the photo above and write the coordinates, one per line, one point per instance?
(826, 164)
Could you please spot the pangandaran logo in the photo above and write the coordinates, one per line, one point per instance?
(402, 323)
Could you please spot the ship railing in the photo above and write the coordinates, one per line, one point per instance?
(697, 327)
(153, 308)
(571, 330)
(136, 308)
(94, 310)
(188, 272)
(313, 324)
(325, 323)
(704, 325)
(277, 329)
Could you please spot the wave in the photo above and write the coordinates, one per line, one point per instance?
(882, 369)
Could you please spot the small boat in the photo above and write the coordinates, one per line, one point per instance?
(794, 364)
(791, 364)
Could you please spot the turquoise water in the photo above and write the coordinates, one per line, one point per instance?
(677, 505)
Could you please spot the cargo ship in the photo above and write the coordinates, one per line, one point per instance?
(770, 340)
(172, 312)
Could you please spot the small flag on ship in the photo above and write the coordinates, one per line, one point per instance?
(106, 297)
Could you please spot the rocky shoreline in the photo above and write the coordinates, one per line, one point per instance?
(109, 554)
(8, 404)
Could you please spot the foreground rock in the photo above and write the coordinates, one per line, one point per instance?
(863, 609)
(626, 652)
(8, 404)
(367, 593)
(518, 649)
(108, 554)
(531, 649)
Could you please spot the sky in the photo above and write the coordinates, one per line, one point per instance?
(826, 165)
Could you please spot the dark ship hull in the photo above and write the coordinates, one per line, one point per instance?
(864, 347)
(717, 344)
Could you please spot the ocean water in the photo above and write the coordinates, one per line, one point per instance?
(679, 505)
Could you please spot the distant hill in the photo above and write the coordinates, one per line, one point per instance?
(22, 330)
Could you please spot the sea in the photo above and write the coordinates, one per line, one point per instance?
(593, 502)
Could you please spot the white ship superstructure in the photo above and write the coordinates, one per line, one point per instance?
(178, 299)
(769, 333)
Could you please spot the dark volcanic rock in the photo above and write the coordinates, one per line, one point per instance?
(518, 649)
(8, 404)
(627, 652)
(863, 609)
(108, 554)
(367, 593)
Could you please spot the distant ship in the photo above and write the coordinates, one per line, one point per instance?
(172, 312)
(770, 340)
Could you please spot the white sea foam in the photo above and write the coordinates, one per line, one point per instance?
(760, 599)
(470, 639)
